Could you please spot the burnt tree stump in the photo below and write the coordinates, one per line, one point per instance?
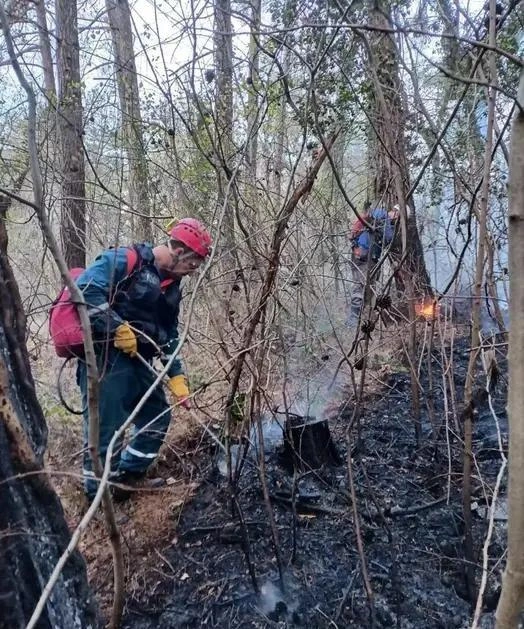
(308, 444)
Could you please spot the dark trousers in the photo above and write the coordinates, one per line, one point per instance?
(123, 382)
(361, 286)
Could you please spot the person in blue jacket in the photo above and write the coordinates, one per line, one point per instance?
(135, 312)
(366, 249)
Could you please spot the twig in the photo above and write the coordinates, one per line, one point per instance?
(245, 542)
(331, 622)
(281, 224)
(345, 596)
(358, 534)
(397, 511)
(165, 560)
(222, 527)
(491, 520)
(314, 508)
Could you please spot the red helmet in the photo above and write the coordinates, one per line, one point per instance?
(193, 234)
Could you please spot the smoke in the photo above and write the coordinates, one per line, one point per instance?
(274, 603)
(312, 350)
(315, 393)
(270, 596)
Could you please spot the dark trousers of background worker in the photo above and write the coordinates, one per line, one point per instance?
(361, 286)
(123, 382)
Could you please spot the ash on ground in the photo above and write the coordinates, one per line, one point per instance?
(220, 574)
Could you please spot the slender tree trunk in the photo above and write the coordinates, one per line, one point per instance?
(48, 118)
(253, 83)
(45, 51)
(280, 136)
(70, 131)
(224, 82)
(512, 598)
(119, 15)
(223, 35)
(491, 286)
(338, 216)
(33, 530)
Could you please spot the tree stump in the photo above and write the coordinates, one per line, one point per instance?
(308, 444)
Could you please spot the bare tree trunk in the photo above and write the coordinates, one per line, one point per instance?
(280, 136)
(512, 597)
(391, 171)
(253, 82)
(491, 286)
(33, 530)
(45, 51)
(223, 35)
(119, 15)
(338, 215)
(70, 130)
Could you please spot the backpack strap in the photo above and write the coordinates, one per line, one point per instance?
(164, 284)
(132, 260)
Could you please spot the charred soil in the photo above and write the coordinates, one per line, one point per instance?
(197, 557)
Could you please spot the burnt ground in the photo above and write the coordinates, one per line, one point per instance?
(410, 506)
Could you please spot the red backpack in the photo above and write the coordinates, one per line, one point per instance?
(65, 328)
(359, 226)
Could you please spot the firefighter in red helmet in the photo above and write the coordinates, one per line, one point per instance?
(193, 235)
(133, 296)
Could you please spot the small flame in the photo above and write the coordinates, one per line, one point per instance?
(428, 310)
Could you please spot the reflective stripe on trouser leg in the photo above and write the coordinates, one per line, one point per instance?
(149, 430)
(117, 380)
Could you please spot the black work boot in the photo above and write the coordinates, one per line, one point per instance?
(128, 482)
(127, 477)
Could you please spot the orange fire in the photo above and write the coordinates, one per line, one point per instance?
(428, 310)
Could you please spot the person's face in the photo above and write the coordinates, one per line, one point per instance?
(393, 214)
(182, 262)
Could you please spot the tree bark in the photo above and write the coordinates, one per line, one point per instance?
(45, 51)
(119, 15)
(280, 135)
(253, 86)
(224, 147)
(33, 530)
(308, 444)
(389, 162)
(512, 597)
(70, 131)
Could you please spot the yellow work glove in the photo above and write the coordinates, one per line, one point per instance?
(125, 339)
(178, 387)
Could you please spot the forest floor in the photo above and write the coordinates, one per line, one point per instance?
(188, 560)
